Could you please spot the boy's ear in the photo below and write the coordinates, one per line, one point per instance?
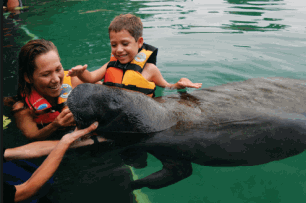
(140, 42)
(27, 79)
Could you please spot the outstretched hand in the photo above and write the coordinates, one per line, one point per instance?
(78, 134)
(185, 82)
(77, 70)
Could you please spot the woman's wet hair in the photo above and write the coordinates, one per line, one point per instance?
(27, 56)
(127, 22)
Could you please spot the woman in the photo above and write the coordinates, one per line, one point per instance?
(42, 89)
(48, 167)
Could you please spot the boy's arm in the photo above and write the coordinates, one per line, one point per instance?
(86, 76)
(152, 74)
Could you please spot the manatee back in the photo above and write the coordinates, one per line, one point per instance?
(229, 102)
(272, 93)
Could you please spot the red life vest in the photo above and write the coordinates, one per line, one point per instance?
(128, 75)
(41, 104)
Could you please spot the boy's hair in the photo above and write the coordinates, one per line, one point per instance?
(127, 22)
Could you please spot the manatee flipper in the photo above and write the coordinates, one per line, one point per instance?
(172, 172)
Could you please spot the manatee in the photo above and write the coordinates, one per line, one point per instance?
(237, 124)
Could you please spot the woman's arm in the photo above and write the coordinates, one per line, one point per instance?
(41, 148)
(30, 151)
(49, 166)
(25, 122)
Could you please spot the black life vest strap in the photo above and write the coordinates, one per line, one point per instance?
(128, 66)
(57, 107)
(131, 87)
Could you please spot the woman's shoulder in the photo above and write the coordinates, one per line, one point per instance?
(19, 108)
(14, 103)
(19, 105)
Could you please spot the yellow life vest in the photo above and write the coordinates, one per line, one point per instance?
(128, 75)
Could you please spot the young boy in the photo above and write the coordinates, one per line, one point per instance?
(132, 64)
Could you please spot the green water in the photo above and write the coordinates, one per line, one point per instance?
(212, 42)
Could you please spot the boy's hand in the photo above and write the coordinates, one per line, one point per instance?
(76, 71)
(185, 82)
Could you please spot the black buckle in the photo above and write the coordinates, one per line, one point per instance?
(121, 66)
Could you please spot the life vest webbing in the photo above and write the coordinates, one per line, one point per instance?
(131, 87)
(127, 66)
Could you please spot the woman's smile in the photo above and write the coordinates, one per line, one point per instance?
(56, 87)
(48, 75)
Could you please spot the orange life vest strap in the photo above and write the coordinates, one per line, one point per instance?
(114, 75)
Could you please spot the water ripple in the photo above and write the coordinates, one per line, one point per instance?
(203, 17)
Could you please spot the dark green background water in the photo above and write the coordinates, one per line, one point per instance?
(212, 42)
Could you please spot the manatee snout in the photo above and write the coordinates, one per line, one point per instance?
(80, 104)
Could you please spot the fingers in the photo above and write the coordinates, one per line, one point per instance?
(68, 119)
(80, 133)
(197, 85)
(64, 112)
(69, 73)
(92, 127)
(185, 82)
(75, 71)
(76, 136)
(65, 118)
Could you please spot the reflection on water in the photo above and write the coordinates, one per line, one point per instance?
(253, 2)
(255, 15)
(197, 16)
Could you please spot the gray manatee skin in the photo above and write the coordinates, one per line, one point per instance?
(238, 124)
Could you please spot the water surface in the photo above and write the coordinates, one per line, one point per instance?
(212, 42)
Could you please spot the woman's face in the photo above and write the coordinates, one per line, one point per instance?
(48, 75)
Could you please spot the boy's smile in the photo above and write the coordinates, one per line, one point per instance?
(124, 46)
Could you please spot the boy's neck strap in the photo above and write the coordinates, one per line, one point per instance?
(127, 66)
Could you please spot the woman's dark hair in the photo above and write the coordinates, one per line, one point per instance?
(28, 53)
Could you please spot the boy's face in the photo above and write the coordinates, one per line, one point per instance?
(124, 46)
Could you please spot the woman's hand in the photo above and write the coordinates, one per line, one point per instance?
(50, 165)
(64, 119)
(77, 70)
(77, 134)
